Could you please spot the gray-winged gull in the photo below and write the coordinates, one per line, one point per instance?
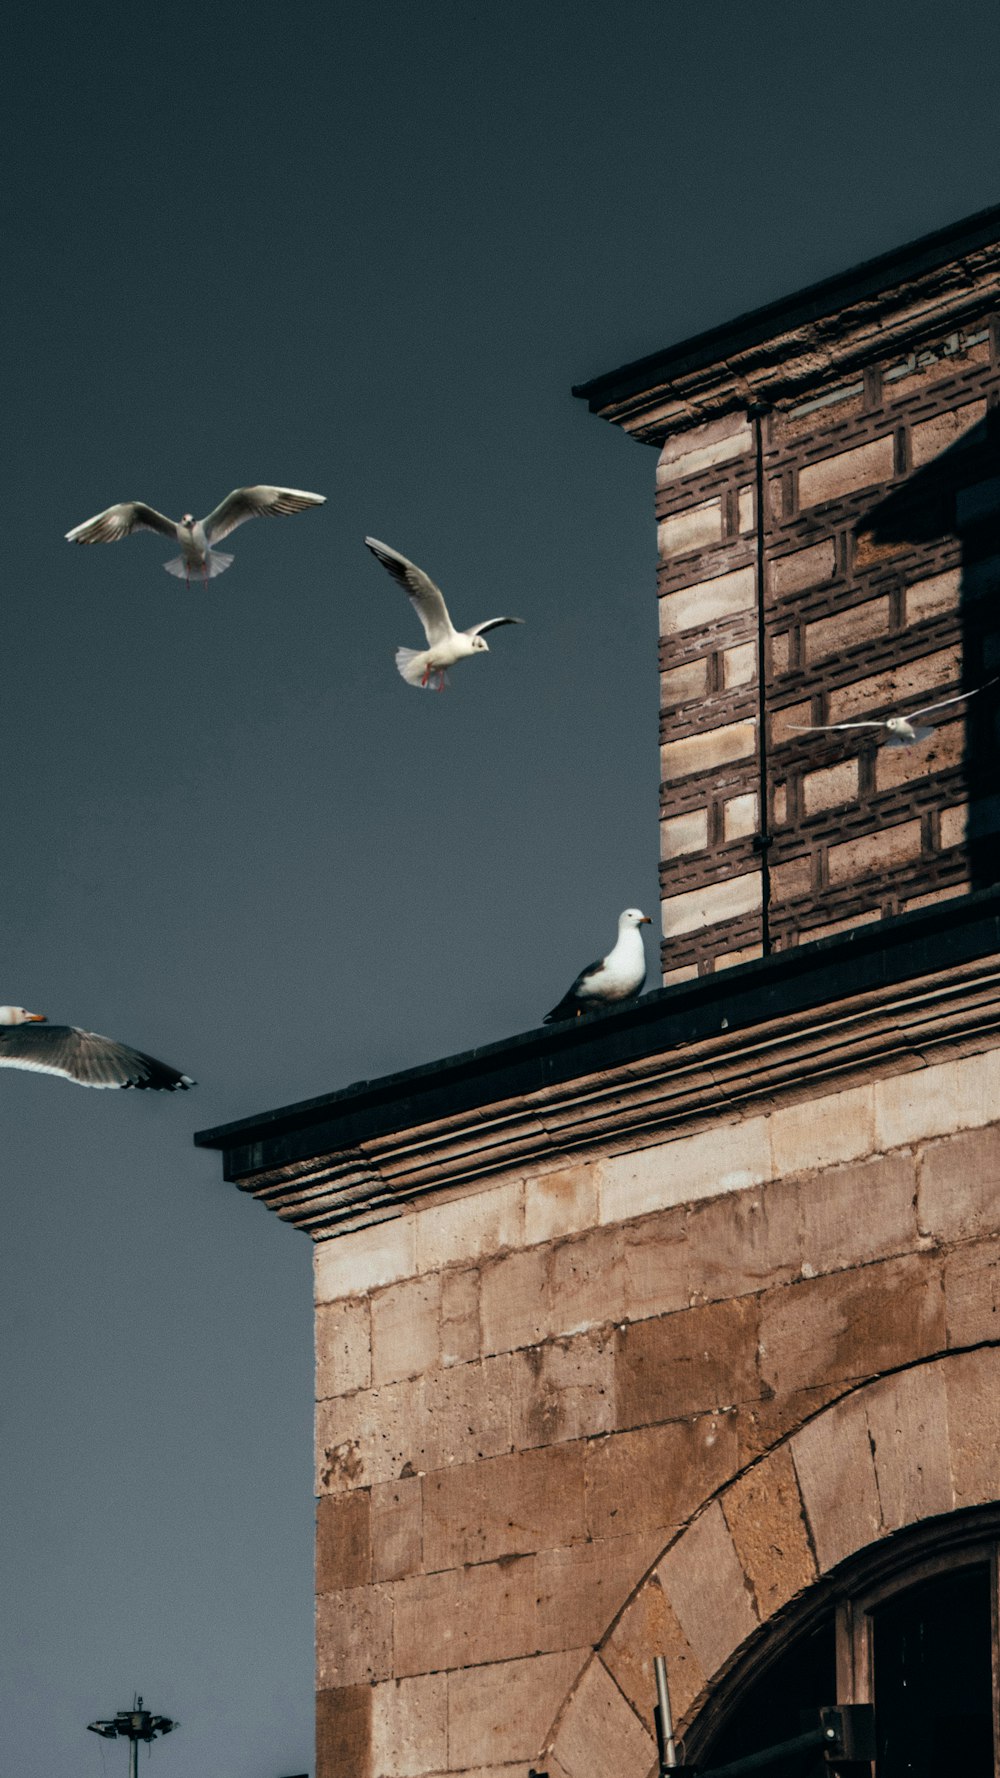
(445, 644)
(901, 731)
(27, 1040)
(618, 976)
(195, 536)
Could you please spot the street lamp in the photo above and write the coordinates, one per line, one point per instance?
(136, 1725)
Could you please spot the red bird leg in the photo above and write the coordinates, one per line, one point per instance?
(427, 674)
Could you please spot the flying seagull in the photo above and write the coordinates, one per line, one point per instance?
(195, 536)
(618, 976)
(445, 644)
(902, 731)
(27, 1040)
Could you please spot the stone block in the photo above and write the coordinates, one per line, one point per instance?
(704, 1581)
(745, 519)
(343, 1348)
(515, 1505)
(353, 1637)
(813, 1133)
(908, 1427)
(729, 959)
(972, 1386)
(703, 447)
(836, 1473)
(881, 850)
(649, 1626)
(959, 1185)
(707, 751)
(806, 567)
(831, 785)
(654, 1479)
(514, 1301)
(343, 1732)
(793, 878)
(849, 1325)
(959, 1095)
(845, 629)
(396, 1528)
(562, 1391)
(522, 1605)
(760, 1425)
(560, 1203)
(502, 1713)
(685, 973)
(895, 687)
(694, 527)
(465, 1413)
(364, 1259)
(930, 437)
(898, 765)
(728, 900)
(780, 647)
(765, 1517)
(692, 1362)
(739, 816)
(743, 1243)
(784, 722)
(936, 593)
(460, 1339)
(679, 685)
(587, 1281)
(405, 1329)
(954, 821)
(848, 471)
(600, 1732)
(462, 1230)
(724, 1158)
(343, 1541)
(708, 601)
(684, 833)
(656, 1268)
(972, 1294)
(410, 1726)
(854, 1214)
(739, 665)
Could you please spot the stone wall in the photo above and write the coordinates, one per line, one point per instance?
(878, 546)
(571, 1419)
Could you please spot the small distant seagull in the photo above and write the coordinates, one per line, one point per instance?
(618, 976)
(902, 731)
(195, 536)
(445, 644)
(27, 1040)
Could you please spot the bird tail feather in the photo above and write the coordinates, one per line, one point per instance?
(412, 664)
(919, 734)
(218, 562)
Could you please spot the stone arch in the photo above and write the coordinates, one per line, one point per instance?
(912, 1445)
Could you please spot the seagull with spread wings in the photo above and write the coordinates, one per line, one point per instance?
(27, 1040)
(195, 536)
(900, 731)
(427, 667)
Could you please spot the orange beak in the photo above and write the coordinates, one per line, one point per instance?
(645, 921)
(37, 1018)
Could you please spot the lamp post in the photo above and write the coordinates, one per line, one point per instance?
(136, 1725)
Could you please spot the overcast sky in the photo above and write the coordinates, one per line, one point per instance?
(364, 250)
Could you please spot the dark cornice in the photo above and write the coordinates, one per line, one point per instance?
(735, 350)
(677, 1055)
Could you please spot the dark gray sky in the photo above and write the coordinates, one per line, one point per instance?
(364, 250)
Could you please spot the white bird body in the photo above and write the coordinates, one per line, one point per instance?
(445, 644)
(618, 976)
(27, 1040)
(195, 536)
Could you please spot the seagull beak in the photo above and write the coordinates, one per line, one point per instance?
(645, 921)
(37, 1018)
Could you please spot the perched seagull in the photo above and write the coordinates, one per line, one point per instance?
(445, 644)
(28, 1041)
(902, 731)
(618, 976)
(195, 536)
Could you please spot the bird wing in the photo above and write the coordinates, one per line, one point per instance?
(808, 728)
(427, 599)
(957, 699)
(84, 1056)
(568, 1005)
(256, 503)
(492, 623)
(120, 521)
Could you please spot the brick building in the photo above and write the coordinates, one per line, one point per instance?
(678, 1330)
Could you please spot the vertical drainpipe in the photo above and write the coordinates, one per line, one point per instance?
(762, 839)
